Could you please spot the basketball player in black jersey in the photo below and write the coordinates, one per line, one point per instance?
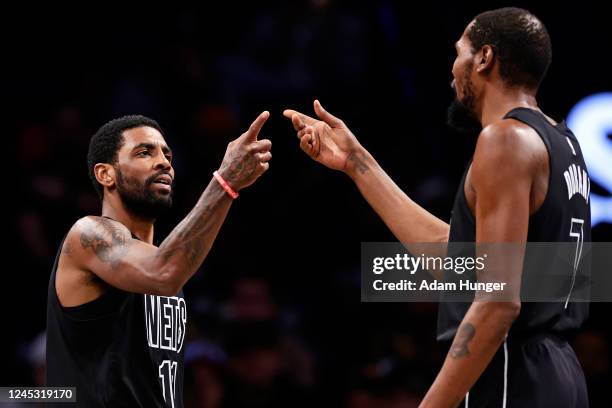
(116, 315)
(517, 188)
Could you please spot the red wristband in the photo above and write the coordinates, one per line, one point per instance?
(225, 186)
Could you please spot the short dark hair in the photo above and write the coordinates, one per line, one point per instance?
(106, 142)
(520, 41)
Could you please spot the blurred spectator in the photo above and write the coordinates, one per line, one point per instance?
(593, 351)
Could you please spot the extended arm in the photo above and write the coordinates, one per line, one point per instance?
(107, 249)
(409, 222)
(330, 142)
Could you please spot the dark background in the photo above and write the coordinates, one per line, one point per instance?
(275, 313)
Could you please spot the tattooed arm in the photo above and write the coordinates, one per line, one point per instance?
(330, 142)
(502, 174)
(409, 222)
(107, 249)
(478, 338)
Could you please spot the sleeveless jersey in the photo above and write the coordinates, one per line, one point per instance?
(120, 350)
(564, 216)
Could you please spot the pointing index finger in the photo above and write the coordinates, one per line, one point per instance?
(256, 126)
(307, 120)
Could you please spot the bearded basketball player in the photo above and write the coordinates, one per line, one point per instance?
(116, 315)
(515, 189)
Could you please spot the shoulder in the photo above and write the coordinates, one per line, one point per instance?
(95, 232)
(507, 146)
(92, 225)
(508, 138)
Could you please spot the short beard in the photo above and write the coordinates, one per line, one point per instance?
(460, 115)
(461, 119)
(140, 200)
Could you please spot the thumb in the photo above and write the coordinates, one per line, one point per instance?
(251, 134)
(325, 116)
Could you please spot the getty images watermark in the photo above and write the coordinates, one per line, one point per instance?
(462, 272)
(411, 264)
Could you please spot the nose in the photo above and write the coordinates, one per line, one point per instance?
(162, 162)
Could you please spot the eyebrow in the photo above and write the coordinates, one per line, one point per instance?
(151, 146)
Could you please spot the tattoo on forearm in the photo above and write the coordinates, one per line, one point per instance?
(192, 238)
(187, 241)
(358, 161)
(108, 240)
(463, 337)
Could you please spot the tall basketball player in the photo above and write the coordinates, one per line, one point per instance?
(503, 354)
(116, 316)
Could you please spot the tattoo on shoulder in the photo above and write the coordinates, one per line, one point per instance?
(108, 240)
(67, 248)
(359, 162)
(463, 337)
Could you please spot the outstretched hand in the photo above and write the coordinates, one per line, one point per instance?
(326, 139)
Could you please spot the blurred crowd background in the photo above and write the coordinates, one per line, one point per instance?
(275, 318)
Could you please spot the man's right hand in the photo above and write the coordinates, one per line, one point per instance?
(327, 140)
(246, 158)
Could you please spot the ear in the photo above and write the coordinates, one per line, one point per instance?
(485, 58)
(105, 174)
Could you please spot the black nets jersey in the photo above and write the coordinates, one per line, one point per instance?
(120, 350)
(563, 216)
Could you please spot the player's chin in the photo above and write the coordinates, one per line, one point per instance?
(162, 196)
(163, 202)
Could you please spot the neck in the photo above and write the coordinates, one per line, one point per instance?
(499, 100)
(141, 227)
